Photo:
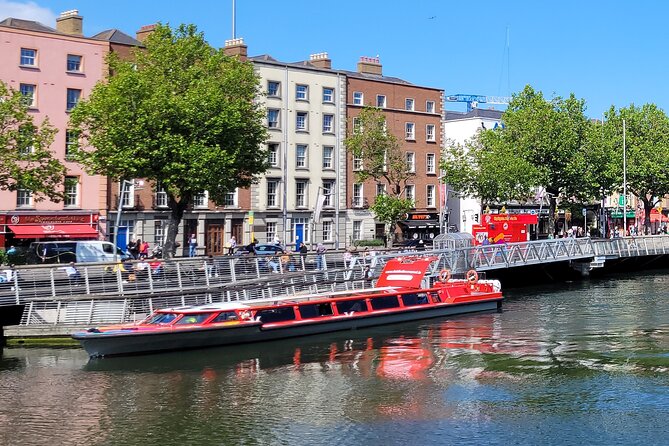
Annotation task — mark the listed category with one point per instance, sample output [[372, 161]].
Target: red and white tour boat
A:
[[397, 297]]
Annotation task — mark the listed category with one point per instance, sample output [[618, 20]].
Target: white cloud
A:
[[27, 11]]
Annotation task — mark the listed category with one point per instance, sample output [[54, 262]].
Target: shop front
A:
[[420, 226], [20, 229]]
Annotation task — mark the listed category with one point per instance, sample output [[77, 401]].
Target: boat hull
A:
[[136, 342]]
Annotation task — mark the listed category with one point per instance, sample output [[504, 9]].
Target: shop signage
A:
[[422, 216], [48, 219]]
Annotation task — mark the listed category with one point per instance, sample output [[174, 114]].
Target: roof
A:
[[379, 78], [29, 25], [475, 113], [117, 36]]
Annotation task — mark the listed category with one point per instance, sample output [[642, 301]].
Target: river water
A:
[[576, 363]]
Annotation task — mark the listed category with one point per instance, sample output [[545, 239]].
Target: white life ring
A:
[[444, 275], [245, 315], [472, 276]]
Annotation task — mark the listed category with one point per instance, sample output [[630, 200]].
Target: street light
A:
[[624, 183], [119, 210]]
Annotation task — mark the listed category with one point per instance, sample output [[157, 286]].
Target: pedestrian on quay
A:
[[144, 250], [320, 256], [192, 245], [73, 274], [232, 244]]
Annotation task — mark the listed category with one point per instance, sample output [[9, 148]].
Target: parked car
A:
[[268, 250], [73, 251]]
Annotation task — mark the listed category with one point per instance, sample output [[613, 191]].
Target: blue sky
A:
[[608, 53]]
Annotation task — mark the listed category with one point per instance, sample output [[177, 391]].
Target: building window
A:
[[25, 140], [431, 198], [328, 192], [273, 154], [302, 93], [24, 198], [328, 123], [230, 199], [71, 143], [201, 200], [161, 196], [270, 231], [28, 93], [380, 101], [28, 57], [357, 195], [408, 104], [301, 156], [74, 63], [429, 106], [328, 95], [272, 193], [410, 192], [380, 189], [358, 98], [429, 132], [73, 96], [301, 121], [411, 161], [273, 89], [357, 230], [430, 164], [128, 198], [328, 152], [300, 193], [357, 126], [71, 192], [273, 118], [357, 163], [327, 231], [159, 227], [410, 131]]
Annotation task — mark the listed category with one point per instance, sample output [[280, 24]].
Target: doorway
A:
[[237, 230], [215, 239]]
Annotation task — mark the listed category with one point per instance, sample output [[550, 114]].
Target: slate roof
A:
[[117, 36], [475, 113], [29, 25]]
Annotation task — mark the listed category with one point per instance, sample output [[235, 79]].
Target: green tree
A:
[[25, 159], [647, 152], [180, 114], [542, 143], [384, 161]]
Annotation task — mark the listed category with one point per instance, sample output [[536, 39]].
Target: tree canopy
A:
[[180, 114], [26, 162], [646, 150], [383, 160]]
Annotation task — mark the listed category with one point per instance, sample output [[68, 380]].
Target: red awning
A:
[[53, 231], [655, 216]]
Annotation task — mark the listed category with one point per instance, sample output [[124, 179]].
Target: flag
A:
[[320, 200]]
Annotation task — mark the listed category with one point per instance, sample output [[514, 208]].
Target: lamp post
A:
[[624, 183], [118, 216]]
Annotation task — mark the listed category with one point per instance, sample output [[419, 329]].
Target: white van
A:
[[72, 251]]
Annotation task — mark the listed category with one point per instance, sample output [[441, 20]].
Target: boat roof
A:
[[217, 306]]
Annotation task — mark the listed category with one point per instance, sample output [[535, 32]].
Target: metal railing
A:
[[106, 293]]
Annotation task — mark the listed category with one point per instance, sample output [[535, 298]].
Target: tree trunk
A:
[[177, 209], [647, 207]]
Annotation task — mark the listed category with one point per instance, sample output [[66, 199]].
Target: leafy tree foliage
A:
[[180, 114], [647, 151], [542, 143], [25, 159], [382, 160]]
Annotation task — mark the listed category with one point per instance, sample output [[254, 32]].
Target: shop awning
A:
[[419, 224], [53, 231]]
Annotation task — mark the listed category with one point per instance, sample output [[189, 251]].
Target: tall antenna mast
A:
[[234, 18]]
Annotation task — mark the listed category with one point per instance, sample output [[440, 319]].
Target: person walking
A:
[[192, 245], [232, 244], [303, 255], [320, 256]]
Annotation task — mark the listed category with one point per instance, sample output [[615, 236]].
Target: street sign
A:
[[621, 200], [585, 212]]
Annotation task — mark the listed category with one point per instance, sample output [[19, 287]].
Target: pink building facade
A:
[[56, 68]]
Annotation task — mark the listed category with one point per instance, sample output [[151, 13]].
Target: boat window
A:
[[381, 303], [161, 318], [276, 314], [414, 299], [226, 316], [347, 306], [315, 310], [195, 318]]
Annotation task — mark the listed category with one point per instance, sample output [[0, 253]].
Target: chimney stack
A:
[[235, 47], [370, 65], [144, 32], [70, 22], [320, 60]]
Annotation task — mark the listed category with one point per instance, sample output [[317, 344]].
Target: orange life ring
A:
[[472, 276], [444, 275]]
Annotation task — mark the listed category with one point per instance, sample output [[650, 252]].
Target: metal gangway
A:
[[104, 293]]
